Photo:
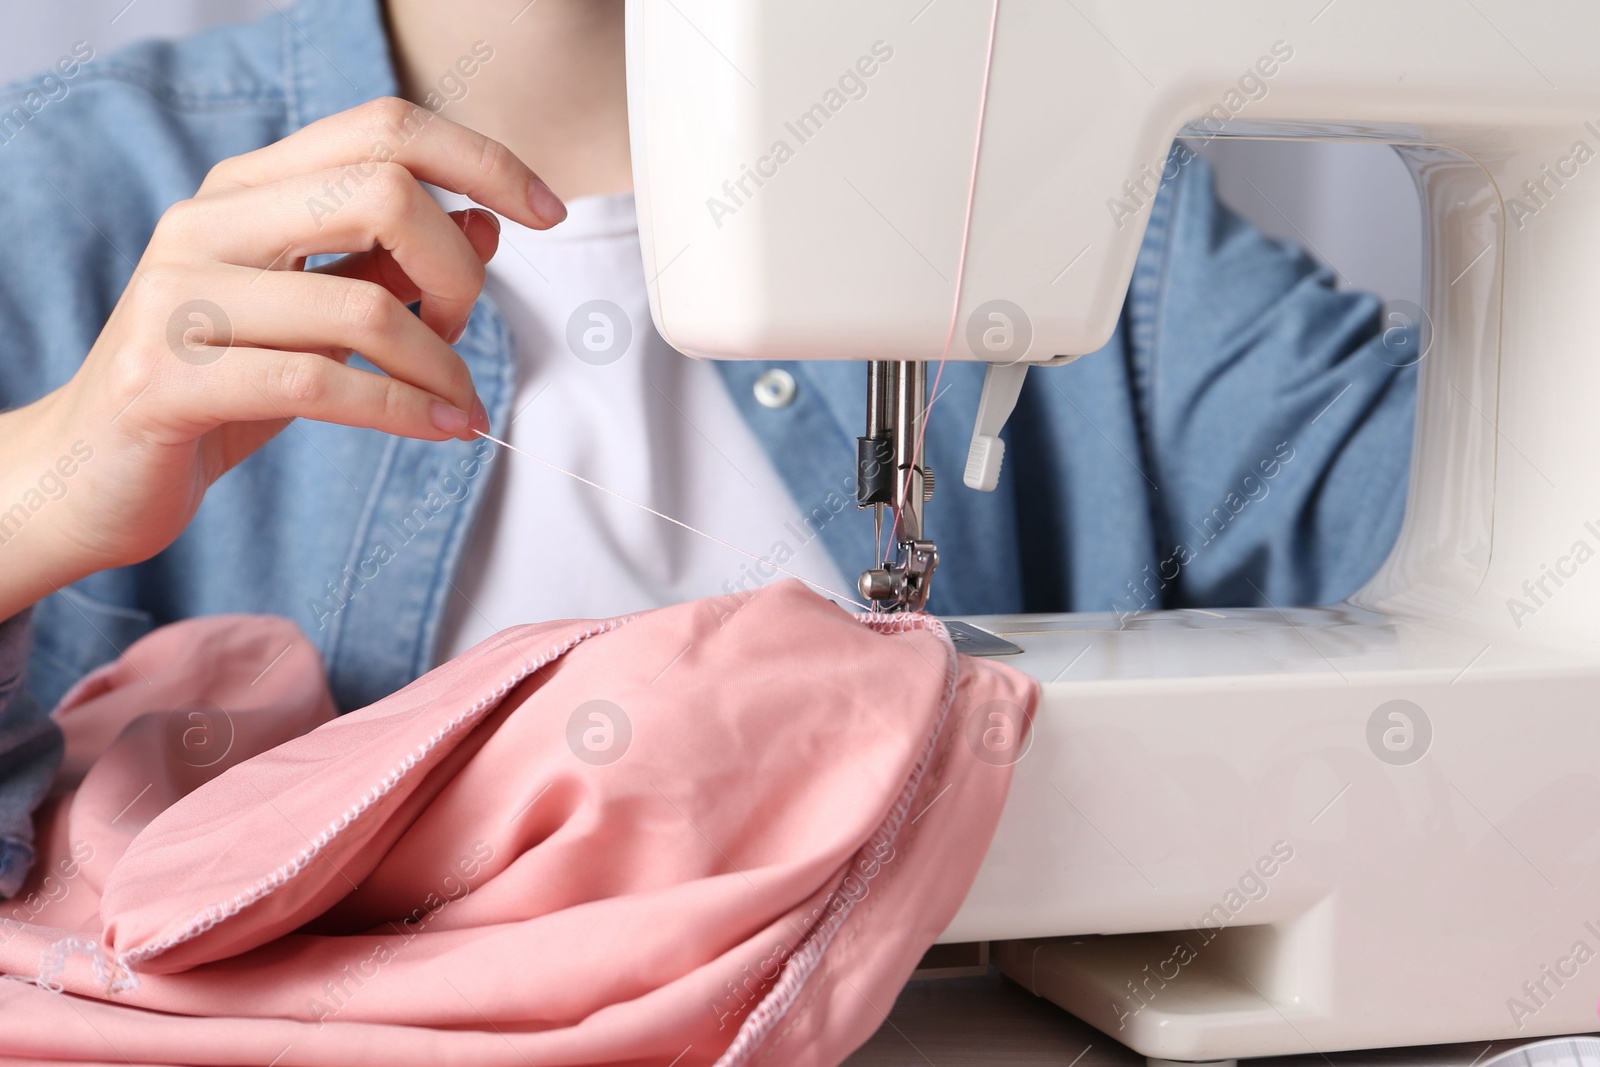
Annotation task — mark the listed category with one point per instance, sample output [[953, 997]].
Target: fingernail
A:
[[464, 220], [460, 332], [546, 205], [448, 418], [480, 417]]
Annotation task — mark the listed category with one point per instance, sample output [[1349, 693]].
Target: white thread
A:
[[676, 522], [53, 963]]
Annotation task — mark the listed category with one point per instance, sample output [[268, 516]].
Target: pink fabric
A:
[[722, 832]]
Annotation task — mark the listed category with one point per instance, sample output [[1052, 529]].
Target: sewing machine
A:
[[1371, 824]]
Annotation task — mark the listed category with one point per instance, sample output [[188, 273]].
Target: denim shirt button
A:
[[775, 389]]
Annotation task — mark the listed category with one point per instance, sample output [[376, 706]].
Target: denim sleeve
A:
[[1277, 412], [30, 750]]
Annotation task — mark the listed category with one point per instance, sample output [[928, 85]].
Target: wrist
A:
[[40, 461]]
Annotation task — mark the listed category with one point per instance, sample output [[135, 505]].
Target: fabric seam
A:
[[799, 967], [773, 1010], [287, 871]]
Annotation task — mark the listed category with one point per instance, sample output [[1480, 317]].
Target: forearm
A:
[[41, 466]]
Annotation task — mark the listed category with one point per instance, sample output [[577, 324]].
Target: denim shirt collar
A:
[[336, 57]]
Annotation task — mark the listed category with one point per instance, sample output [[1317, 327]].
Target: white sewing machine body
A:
[[1411, 898]]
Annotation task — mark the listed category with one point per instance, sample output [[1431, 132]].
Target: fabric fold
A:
[[719, 832]]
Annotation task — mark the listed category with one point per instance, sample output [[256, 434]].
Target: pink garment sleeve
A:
[[717, 833]]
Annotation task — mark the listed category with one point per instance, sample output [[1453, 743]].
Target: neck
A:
[[552, 87]]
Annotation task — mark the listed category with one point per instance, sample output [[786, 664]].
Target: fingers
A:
[[313, 312], [270, 226], [251, 385], [482, 230], [348, 185], [431, 147]]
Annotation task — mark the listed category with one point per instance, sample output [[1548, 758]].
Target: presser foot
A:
[[901, 585]]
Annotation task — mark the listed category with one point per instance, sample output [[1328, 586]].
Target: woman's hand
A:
[[222, 337]]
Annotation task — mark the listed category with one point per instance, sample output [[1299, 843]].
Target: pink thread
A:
[[961, 260], [676, 522]]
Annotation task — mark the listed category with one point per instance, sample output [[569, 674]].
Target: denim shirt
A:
[[1244, 435]]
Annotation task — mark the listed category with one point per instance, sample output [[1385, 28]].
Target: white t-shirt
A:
[[601, 394]]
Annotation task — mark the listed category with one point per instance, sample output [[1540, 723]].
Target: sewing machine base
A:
[[1222, 842]]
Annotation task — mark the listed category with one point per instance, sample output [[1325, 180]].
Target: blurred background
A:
[[1352, 206], [37, 34]]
